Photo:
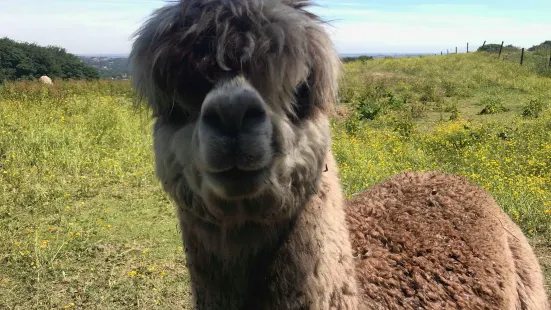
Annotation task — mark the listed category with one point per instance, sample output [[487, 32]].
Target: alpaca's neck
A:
[[306, 263]]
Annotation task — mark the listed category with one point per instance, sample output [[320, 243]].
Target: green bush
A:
[[492, 105], [534, 108]]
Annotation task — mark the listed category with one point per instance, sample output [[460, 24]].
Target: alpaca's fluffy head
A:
[[241, 91]]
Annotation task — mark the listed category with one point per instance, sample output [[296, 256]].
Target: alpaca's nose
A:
[[234, 111], [234, 129]]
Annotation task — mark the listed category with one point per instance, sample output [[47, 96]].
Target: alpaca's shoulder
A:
[[432, 192], [429, 239]]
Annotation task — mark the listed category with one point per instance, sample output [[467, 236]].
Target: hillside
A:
[[25, 61], [537, 58], [86, 224], [108, 67], [543, 46]]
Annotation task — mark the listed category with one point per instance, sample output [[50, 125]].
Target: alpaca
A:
[[240, 92], [449, 245], [45, 80]]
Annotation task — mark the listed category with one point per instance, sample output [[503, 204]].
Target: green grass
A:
[[537, 61], [84, 221], [86, 225]]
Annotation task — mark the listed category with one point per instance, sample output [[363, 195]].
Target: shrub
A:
[[368, 110], [454, 110], [403, 124], [494, 48], [492, 105], [534, 108], [418, 110], [544, 45], [362, 58]]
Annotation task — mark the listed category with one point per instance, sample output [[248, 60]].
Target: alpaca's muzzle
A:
[[235, 134]]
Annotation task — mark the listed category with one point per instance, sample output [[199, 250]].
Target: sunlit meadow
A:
[[85, 223]]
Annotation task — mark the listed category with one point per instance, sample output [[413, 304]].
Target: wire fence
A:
[[537, 58]]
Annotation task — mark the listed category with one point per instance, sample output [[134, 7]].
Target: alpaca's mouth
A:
[[237, 184], [235, 174]]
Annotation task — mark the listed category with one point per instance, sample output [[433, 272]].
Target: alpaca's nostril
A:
[[212, 119], [254, 114]]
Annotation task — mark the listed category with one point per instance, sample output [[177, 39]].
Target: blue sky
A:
[[358, 26]]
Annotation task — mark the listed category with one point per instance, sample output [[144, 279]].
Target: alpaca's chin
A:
[[235, 184]]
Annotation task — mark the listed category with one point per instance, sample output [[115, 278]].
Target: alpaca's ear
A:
[[318, 93], [324, 72], [325, 65]]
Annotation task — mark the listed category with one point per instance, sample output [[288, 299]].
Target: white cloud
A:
[[77, 29], [354, 27], [371, 31]]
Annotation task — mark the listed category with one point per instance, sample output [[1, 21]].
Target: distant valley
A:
[[115, 66]]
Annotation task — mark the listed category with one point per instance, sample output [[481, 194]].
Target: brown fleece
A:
[[436, 241]]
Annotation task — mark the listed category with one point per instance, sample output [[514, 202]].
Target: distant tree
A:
[[360, 58], [26, 61], [494, 48], [490, 48], [544, 45]]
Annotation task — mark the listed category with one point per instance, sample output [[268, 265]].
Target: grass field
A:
[[85, 223]]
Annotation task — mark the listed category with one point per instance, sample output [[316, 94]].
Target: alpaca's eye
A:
[[205, 45], [303, 90], [192, 88], [178, 115], [302, 99]]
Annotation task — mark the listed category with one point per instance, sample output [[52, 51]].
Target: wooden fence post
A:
[[522, 56], [456, 49], [500, 49], [467, 47], [447, 51], [441, 53]]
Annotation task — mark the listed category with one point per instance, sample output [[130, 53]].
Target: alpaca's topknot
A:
[[185, 47]]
